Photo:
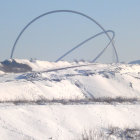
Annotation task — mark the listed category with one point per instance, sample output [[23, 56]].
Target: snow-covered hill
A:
[[135, 62], [48, 100]]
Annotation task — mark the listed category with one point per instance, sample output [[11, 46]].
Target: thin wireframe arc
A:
[[60, 11], [104, 48], [85, 41]]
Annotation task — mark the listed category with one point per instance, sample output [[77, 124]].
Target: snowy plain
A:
[[22, 117]]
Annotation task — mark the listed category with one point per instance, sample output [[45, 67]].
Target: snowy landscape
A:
[[42, 100], [70, 70]]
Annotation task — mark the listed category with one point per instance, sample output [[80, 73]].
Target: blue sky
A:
[[51, 36]]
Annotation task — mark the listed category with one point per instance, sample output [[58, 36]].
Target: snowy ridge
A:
[[64, 80]]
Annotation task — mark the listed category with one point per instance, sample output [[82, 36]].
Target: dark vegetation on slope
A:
[[102, 100], [112, 133], [14, 67]]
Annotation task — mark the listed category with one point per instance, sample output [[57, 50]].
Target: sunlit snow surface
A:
[[66, 81]]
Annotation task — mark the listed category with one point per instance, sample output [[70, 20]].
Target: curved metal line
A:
[[58, 11], [104, 48], [80, 44]]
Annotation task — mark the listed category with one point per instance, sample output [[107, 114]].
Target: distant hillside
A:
[[135, 62]]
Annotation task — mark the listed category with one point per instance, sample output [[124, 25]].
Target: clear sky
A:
[[51, 36]]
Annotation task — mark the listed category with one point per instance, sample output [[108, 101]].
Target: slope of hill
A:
[[135, 62], [60, 100]]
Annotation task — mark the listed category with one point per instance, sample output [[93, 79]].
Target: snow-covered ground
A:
[[45, 102]]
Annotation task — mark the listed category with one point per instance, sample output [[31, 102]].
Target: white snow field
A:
[[59, 101]]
